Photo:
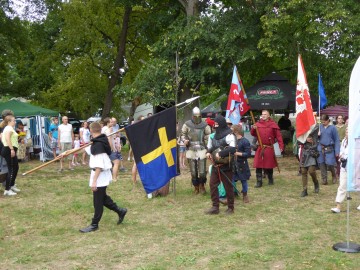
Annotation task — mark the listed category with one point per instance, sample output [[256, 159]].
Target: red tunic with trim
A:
[[269, 133]]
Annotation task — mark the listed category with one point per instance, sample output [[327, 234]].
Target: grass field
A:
[[39, 228]]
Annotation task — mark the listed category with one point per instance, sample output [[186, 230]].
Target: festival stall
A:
[[35, 118], [274, 93], [336, 110]]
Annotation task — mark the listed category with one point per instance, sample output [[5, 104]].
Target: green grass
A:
[[277, 230]]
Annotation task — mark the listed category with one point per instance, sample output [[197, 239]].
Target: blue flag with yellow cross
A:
[[153, 142]]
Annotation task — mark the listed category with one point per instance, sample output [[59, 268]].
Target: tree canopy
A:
[[82, 56]]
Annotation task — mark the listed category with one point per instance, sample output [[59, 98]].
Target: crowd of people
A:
[[216, 142]]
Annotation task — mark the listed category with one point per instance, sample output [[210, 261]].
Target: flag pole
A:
[[253, 118], [352, 155], [65, 154]]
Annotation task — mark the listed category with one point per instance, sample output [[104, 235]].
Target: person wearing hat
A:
[[220, 147]]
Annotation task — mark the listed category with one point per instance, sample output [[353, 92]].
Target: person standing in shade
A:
[[9, 139], [308, 163], [100, 178], [65, 140], [285, 128], [117, 136], [53, 135], [243, 152], [219, 149], [340, 127], [329, 149], [84, 139], [265, 158]]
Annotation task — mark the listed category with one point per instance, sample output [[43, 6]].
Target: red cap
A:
[[210, 122]]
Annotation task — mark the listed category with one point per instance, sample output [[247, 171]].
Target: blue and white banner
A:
[[353, 163]]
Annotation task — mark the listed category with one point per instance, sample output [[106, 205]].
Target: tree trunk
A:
[[119, 63], [184, 91], [186, 113], [134, 104]]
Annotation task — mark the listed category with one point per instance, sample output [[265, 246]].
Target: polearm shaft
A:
[[65, 154], [253, 119], [251, 113]]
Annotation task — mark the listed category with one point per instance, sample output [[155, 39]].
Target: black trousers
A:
[[13, 166], [101, 199]]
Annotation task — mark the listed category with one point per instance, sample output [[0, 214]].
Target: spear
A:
[[66, 153]]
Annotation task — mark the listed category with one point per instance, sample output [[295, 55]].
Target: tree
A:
[[325, 33]]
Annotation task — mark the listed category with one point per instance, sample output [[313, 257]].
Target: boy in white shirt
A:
[[100, 177]]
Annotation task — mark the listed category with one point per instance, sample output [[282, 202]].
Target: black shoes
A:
[[229, 211], [90, 228], [258, 184], [121, 212], [304, 193], [317, 188], [212, 211]]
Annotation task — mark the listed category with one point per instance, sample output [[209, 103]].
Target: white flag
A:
[[353, 162]]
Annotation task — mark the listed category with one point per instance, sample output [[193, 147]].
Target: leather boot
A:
[[258, 179], [316, 187], [258, 182], [202, 189], [213, 211], [271, 179], [121, 212], [229, 211], [334, 179], [196, 190], [90, 228], [324, 182], [223, 201], [245, 197], [304, 193]]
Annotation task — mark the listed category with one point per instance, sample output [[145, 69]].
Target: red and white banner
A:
[[305, 120], [236, 106]]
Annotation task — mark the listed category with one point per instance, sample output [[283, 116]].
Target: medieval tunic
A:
[[306, 160], [269, 133], [242, 166], [225, 141], [329, 145]]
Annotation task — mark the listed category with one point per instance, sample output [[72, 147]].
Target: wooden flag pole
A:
[[65, 154], [251, 113]]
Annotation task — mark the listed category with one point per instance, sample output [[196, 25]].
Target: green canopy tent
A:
[[22, 109]]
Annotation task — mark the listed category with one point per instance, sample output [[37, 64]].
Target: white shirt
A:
[[230, 140], [65, 132], [103, 162], [76, 144], [85, 134]]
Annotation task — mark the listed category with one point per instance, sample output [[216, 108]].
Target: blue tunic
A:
[[243, 170], [329, 145]]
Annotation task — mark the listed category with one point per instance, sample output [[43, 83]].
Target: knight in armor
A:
[[220, 150], [196, 133]]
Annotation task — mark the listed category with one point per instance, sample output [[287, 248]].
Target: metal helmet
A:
[[196, 115]]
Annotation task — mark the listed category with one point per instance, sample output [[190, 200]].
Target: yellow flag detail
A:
[[164, 148]]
